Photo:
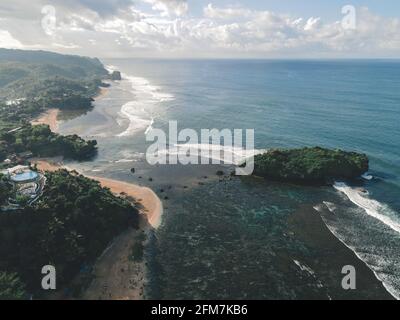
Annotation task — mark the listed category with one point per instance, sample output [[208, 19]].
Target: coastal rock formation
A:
[[116, 76], [310, 165]]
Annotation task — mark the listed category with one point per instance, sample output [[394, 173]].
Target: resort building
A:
[[28, 185]]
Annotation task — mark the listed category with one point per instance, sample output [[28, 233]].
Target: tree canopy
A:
[[69, 227], [11, 287], [42, 142], [310, 165]]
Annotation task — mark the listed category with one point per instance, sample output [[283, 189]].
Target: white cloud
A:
[[169, 7], [7, 41], [167, 29], [225, 13], [312, 23], [65, 46]]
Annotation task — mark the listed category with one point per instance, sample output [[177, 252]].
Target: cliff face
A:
[[310, 165]]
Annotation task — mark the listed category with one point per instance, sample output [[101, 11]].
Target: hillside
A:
[[69, 227], [33, 81]]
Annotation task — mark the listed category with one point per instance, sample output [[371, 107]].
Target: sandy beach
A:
[[49, 118], [101, 94], [115, 275], [151, 204]]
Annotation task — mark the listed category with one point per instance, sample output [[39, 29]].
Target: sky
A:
[[204, 28]]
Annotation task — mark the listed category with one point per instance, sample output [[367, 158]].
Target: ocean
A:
[[232, 237]]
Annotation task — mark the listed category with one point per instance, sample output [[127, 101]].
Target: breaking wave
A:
[[221, 154], [140, 112], [375, 209]]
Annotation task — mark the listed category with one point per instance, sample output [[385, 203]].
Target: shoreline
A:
[[50, 118], [387, 288], [115, 275], [330, 254], [102, 92], [150, 203]]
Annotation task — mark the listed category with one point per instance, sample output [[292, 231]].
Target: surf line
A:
[[138, 111], [372, 207]]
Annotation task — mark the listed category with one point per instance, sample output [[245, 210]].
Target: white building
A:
[[27, 183]]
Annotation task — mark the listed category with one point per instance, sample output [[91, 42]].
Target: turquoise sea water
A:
[[219, 239]]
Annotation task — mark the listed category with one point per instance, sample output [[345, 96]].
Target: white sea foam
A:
[[124, 160], [331, 206], [136, 121], [150, 127], [110, 68], [375, 209], [319, 208], [127, 156], [311, 272], [305, 268], [362, 256], [367, 176], [140, 111], [222, 154]]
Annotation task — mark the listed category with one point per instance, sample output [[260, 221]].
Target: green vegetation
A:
[[69, 227], [22, 200], [22, 73], [42, 142], [5, 190], [75, 218], [310, 165], [33, 81], [11, 287]]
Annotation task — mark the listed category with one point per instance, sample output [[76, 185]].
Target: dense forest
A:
[[23, 72], [33, 81], [5, 189], [75, 218], [42, 142], [68, 228], [310, 165], [11, 287]]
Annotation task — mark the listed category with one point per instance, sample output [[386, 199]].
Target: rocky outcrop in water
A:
[[116, 76], [310, 165]]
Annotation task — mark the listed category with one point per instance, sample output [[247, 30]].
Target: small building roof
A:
[[16, 168]]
